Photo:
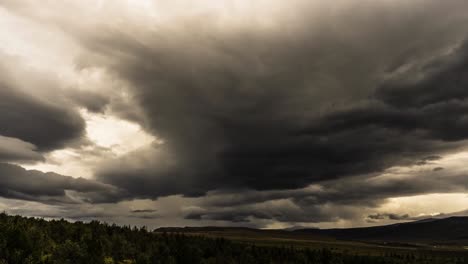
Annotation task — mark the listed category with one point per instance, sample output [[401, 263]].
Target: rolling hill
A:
[[452, 230], [446, 231]]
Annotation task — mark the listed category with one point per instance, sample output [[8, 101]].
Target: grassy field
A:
[[279, 238]]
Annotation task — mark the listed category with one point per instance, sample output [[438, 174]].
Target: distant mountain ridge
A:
[[451, 230]]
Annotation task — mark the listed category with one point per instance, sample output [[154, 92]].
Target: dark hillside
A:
[[29, 240], [452, 230]]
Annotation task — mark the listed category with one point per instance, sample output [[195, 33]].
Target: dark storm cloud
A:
[[258, 113], [284, 109], [253, 218], [341, 199], [13, 149], [18, 183], [27, 118], [31, 115], [235, 216], [283, 210], [439, 81], [373, 190], [92, 101], [144, 211], [428, 160], [389, 216]]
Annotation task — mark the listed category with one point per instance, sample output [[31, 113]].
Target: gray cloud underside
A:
[[250, 117], [331, 201], [38, 119], [286, 108], [13, 149], [45, 126], [376, 217], [18, 183]]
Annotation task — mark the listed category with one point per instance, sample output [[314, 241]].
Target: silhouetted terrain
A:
[[29, 240], [452, 230], [447, 231]]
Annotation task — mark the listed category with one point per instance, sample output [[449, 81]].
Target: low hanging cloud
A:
[[13, 149], [312, 115], [18, 183], [29, 113], [265, 109], [44, 125], [350, 199], [388, 216]]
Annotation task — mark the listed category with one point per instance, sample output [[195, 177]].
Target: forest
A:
[[34, 240]]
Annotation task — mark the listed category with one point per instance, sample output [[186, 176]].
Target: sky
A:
[[265, 114]]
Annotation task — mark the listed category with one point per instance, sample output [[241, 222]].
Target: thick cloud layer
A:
[[18, 183], [32, 111], [44, 125], [333, 200], [12, 149], [290, 106], [314, 113]]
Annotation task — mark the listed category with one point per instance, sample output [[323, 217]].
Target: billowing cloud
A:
[[13, 149], [18, 183], [388, 216], [32, 110], [319, 112], [44, 125], [285, 107]]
